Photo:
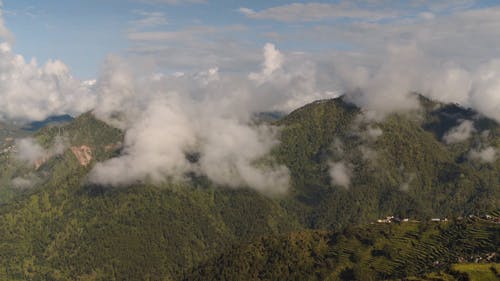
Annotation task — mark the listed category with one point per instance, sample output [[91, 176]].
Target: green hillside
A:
[[66, 229], [421, 251], [406, 171]]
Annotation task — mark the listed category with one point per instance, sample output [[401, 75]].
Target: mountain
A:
[[398, 166], [63, 228]]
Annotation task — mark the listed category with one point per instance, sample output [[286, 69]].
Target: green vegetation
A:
[[66, 229], [479, 272], [407, 171], [375, 252]]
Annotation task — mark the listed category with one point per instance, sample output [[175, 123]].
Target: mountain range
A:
[[347, 170]]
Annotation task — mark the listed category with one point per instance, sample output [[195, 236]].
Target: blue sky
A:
[[292, 52], [83, 33]]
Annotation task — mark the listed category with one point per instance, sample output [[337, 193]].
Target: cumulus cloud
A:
[[488, 154], [485, 89], [460, 133], [379, 56], [155, 146], [29, 92], [32, 92], [388, 88], [340, 174], [273, 60], [168, 118], [207, 113]]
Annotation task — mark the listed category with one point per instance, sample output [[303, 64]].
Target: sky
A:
[[188, 76], [180, 33]]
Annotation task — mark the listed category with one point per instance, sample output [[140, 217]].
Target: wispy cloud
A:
[[173, 2], [364, 11], [149, 20], [304, 12]]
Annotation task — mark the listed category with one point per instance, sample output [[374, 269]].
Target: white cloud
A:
[[370, 11], [168, 117], [273, 61], [149, 19], [154, 147], [488, 154], [388, 88], [32, 92], [485, 95], [29, 150], [373, 132], [173, 2], [340, 174], [460, 133], [25, 182], [303, 12]]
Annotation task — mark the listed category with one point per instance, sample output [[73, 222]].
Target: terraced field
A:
[[426, 251]]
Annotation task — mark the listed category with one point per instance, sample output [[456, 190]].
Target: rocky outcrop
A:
[[83, 154]]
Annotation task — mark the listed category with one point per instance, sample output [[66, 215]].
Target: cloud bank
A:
[[32, 92], [200, 122], [207, 116]]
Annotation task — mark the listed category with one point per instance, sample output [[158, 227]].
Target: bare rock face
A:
[[83, 154]]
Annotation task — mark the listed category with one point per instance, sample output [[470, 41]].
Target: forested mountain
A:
[[346, 170]]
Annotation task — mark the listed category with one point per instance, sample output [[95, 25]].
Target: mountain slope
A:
[[376, 252], [397, 166], [64, 228]]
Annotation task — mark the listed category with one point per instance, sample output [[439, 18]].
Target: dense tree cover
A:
[[69, 230], [419, 251], [407, 170], [65, 229]]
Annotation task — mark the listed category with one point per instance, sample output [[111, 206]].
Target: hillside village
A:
[[485, 218]]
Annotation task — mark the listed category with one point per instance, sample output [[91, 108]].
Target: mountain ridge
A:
[[66, 228]]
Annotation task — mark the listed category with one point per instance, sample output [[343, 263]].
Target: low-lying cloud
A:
[[488, 154], [460, 133], [205, 115], [404, 69], [340, 174], [30, 151]]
